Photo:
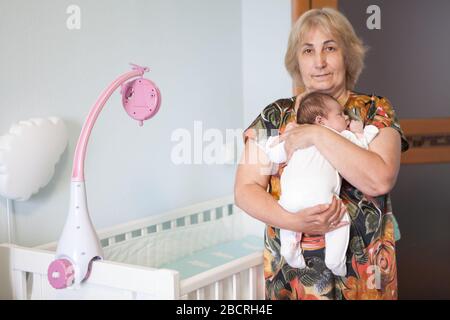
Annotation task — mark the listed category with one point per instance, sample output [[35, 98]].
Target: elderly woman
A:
[[324, 54]]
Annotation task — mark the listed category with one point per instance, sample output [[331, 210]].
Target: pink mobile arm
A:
[[80, 151]]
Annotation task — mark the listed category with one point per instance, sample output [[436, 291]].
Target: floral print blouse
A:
[[371, 258]]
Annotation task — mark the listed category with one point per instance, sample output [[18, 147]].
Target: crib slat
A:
[[218, 290], [214, 214], [133, 295], [236, 286], [200, 294], [252, 283], [20, 285], [38, 286], [225, 210], [261, 294]]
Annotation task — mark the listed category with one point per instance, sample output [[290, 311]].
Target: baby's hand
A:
[[356, 126], [290, 126], [275, 141]]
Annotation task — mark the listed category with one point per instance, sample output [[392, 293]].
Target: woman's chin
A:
[[322, 87]]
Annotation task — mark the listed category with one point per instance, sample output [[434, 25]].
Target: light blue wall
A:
[[194, 49], [265, 31]]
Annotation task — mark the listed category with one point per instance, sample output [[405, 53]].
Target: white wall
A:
[[265, 31], [195, 50]]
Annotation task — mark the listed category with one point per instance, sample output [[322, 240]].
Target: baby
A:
[[309, 179]]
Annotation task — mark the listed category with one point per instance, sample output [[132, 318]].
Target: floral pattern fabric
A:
[[371, 257]]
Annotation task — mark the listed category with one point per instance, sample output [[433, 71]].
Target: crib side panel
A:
[[6, 289], [242, 279], [167, 219], [27, 279], [161, 222]]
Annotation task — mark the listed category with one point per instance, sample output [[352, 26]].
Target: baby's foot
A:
[[338, 269]]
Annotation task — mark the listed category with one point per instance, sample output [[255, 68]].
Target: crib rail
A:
[[194, 214], [26, 278]]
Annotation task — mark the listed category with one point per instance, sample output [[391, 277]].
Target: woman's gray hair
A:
[[338, 26]]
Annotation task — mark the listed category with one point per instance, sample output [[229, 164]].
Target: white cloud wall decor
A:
[[28, 155]]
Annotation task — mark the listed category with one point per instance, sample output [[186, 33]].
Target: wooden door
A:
[[429, 138]]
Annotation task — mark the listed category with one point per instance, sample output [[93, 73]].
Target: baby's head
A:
[[323, 109]]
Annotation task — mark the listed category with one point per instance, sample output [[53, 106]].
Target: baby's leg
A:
[[287, 238], [290, 248], [336, 248]]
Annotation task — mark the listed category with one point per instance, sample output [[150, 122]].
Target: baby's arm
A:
[[358, 135], [276, 154], [357, 127]]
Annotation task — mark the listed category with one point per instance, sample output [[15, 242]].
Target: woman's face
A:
[[321, 63]]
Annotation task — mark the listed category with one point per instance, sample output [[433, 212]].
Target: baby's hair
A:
[[311, 106]]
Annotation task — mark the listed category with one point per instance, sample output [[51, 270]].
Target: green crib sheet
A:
[[215, 256]]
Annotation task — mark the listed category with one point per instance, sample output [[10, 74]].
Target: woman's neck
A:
[[343, 97]]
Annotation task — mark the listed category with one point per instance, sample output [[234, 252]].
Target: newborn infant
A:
[[309, 179]]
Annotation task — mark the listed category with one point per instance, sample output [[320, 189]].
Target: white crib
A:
[[135, 252]]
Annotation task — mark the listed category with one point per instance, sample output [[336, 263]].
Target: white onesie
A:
[[308, 180]]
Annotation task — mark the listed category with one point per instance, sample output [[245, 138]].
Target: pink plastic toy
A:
[[79, 245], [60, 273], [141, 99]]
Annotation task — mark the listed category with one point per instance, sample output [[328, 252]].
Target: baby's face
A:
[[336, 119]]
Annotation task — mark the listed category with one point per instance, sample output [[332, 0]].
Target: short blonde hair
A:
[[336, 24]]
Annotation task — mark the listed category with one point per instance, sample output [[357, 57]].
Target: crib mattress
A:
[[215, 256]]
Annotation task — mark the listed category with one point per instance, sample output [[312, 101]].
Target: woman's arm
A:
[[251, 195], [374, 171]]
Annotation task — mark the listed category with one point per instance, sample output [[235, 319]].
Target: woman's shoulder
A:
[[270, 119], [375, 110], [280, 105], [274, 113], [366, 106], [365, 100]]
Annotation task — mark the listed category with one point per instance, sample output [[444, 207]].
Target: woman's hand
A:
[[320, 219]]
